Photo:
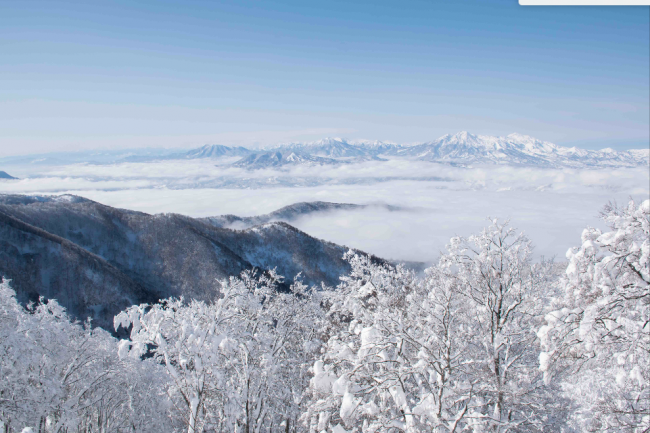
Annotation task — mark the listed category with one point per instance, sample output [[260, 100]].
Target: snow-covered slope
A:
[[322, 152], [339, 148], [641, 156], [279, 158]]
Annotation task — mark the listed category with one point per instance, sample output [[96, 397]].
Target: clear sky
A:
[[100, 74]]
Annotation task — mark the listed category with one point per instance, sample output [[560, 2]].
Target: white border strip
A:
[[584, 2]]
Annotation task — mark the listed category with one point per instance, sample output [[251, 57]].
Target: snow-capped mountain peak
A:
[[517, 149], [461, 138], [328, 141]]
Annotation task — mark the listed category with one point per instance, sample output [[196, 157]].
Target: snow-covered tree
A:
[[58, 375], [282, 341], [395, 363], [454, 351], [597, 341], [238, 363], [191, 341], [504, 294], [16, 352]]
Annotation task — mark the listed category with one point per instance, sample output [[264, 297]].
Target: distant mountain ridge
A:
[[5, 175], [217, 151], [97, 260], [289, 213], [281, 158], [517, 149], [340, 148], [461, 149]]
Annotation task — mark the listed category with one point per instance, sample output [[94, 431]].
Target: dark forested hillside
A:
[[96, 260], [291, 213]]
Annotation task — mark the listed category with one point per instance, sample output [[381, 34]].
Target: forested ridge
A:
[[97, 260], [489, 339]]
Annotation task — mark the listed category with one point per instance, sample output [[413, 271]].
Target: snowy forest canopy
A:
[[488, 340]]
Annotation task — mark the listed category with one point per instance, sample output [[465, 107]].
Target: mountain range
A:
[[340, 148], [97, 260], [279, 158], [517, 149], [462, 149]]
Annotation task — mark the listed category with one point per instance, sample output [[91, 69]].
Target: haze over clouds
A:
[[182, 173]]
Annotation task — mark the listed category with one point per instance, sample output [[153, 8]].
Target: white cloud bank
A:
[[551, 206]]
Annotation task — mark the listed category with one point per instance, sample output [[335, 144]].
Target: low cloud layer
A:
[[183, 174], [551, 206]]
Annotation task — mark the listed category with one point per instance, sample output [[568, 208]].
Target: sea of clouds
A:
[[436, 201]]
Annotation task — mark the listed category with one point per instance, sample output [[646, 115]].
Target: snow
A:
[[322, 379], [339, 429], [348, 405], [544, 357]]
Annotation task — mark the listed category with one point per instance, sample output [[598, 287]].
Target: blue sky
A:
[[85, 75]]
